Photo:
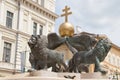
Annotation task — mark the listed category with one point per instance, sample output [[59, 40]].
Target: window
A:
[[117, 62], [34, 28], [113, 60], [35, 0], [50, 28], [42, 3], [41, 30], [9, 19], [7, 52], [109, 59]]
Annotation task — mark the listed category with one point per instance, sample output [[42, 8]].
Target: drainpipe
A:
[[16, 46]]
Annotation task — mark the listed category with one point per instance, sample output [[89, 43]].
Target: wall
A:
[[29, 12]]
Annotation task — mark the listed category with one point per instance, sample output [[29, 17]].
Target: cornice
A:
[[115, 46], [13, 31], [38, 8], [111, 65], [24, 34], [11, 2], [5, 29]]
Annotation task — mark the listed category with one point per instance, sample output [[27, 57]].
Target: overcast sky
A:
[[94, 16]]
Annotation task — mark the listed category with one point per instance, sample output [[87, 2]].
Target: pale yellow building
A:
[[18, 20], [112, 61]]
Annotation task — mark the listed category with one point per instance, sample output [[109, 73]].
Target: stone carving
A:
[[93, 56], [70, 77], [41, 56], [81, 45], [54, 40], [33, 44], [79, 42], [82, 42]]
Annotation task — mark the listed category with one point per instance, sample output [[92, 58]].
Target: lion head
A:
[[32, 41]]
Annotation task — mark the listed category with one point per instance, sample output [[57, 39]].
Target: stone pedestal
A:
[[75, 76], [47, 75], [95, 75], [43, 75]]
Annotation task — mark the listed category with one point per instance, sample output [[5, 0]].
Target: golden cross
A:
[[66, 13]]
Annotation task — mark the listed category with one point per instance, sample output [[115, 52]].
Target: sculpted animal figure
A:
[[80, 42], [34, 49], [94, 56], [38, 43], [41, 56]]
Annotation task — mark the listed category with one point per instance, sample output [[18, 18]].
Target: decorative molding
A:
[[41, 21], [11, 2], [5, 29], [8, 70], [38, 8], [115, 46], [110, 65], [8, 39], [24, 34]]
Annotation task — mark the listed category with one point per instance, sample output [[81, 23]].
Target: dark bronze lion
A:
[[94, 56], [82, 46], [41, 56]]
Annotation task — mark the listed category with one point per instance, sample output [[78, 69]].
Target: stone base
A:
[[46, 75], [95, 75], [75, 76], [43, 75], [35, 78]]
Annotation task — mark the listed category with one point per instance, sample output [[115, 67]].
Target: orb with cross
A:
[[66, 28]]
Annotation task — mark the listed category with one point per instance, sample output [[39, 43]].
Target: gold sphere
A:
[[66, 29]]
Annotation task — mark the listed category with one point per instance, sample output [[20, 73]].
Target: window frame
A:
[[42, 3], [41, 30], [9, 19], [35, 28], [7, 52]]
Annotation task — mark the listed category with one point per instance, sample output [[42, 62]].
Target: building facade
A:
[[112, 61], [19, 19]]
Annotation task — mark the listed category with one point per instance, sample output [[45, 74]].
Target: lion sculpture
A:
[[94, 56], [82, 46], [41, 56]]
